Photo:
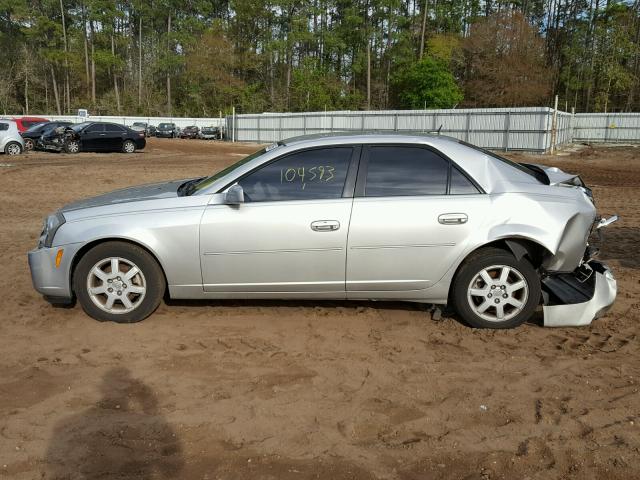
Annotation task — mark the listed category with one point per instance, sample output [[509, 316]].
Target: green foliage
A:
[[427, 83], [296, 55]]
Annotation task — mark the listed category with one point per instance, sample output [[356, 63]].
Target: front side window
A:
[[405, 171], [306, 175], [95, 128]]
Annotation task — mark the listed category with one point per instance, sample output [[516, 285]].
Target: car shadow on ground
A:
[[426, 309], [122, 436]]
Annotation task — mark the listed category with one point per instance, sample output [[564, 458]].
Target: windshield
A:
[[139, 124], [205, 182], [36, 127], [165, 125], [79, 126]]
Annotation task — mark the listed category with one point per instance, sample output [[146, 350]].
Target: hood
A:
[[154, 191]]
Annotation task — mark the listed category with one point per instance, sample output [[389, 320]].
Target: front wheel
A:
[[13, 148], [128, 146], [118, 282], [28, 144], [493, 289], [72, 146]]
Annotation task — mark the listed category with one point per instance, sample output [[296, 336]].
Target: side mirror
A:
[[234, 195]]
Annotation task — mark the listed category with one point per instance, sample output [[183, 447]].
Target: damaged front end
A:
[[579, 297], [57, 140]]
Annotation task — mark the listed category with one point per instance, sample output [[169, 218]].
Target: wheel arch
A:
[[94, 243]]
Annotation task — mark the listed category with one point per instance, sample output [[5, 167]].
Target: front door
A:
[[92, 137], [290, 234], [411, 219]]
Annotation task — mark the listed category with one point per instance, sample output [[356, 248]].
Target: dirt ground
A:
[[296, 390]]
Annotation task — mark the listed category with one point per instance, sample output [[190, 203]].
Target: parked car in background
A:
[[11, 142], [151, 130], [93, 137], [190, 132], [211, 133], [33, 134], [411, 217], [140, 127], [167, 130], [24, 123]]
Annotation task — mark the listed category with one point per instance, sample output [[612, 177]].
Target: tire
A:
[[72, 146], [130, 299], [128, 146], [29, 144], [13, 148], [483, 298]]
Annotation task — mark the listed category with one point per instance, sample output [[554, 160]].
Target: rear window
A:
[[110, 127], [4, 127]]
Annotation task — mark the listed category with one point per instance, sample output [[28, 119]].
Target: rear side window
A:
[[4, 127], [405, 171], [114, 128], [460, 184]]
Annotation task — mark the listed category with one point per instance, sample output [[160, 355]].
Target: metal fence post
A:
[[279, 127], [258, 129], [467, 127], [507, 129], [304, 124], [395, 122]]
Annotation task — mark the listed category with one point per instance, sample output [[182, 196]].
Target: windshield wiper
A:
[[188, 187]]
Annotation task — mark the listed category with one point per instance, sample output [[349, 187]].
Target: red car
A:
[[25, 122]]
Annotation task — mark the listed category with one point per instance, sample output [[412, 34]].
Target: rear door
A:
[[412, 214], [114, 137]]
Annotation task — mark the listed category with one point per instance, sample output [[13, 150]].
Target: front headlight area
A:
[[51, 225]]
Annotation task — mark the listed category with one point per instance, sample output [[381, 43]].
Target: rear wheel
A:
[[118, 282], [13, 148], [128, 146], [28, 144], [495, 290]]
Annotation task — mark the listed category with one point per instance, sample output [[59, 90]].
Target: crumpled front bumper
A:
[[574, 299]]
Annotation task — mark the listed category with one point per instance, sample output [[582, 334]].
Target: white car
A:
[[411, 217], [11, 142]]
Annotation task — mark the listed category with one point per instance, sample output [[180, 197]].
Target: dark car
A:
[[151, 130], [93, 137], [167, 130], [33, 133], [190, 132], [211, 133]]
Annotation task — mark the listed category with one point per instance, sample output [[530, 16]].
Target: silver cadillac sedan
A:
[[406, 217]]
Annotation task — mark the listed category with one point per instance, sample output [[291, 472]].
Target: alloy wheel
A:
[[116, 285], [498, 293]]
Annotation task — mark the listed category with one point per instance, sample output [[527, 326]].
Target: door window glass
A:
[[114, 128], [461, 185], [405, 171], [306, 175], [4, 127], [95, 128]]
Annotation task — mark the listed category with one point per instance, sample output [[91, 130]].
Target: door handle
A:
[[325, 225], [453, 218]]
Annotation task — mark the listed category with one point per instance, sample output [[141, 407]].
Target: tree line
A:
[[202, 57]]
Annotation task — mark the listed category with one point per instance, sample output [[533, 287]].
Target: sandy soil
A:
[[240, 390]]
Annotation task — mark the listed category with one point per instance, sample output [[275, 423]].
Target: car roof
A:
[[370, 136]]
